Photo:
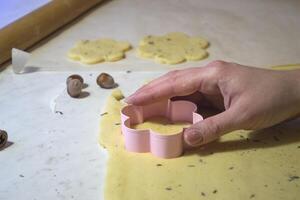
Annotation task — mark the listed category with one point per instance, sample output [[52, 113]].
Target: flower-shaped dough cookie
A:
[[173, 48], [90, 52]]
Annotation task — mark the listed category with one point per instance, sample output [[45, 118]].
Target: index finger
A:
[[174, 83]]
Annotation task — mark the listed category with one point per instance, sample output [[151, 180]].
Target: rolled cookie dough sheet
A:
[[241, 165]]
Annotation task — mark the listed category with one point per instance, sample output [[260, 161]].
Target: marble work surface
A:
[[53, 152]]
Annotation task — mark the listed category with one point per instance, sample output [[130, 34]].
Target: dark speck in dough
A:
[[275, 138], [105, 113], [292, 178]]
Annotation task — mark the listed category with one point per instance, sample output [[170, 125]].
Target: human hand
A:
[[249, 98]]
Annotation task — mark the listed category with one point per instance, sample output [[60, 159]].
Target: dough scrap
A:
[[173, 48], [91, 52], [241, 165], [286, 67]]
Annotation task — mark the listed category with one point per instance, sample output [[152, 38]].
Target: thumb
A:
[[210, 128]]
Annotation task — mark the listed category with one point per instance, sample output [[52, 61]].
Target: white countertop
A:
[[56, 156]]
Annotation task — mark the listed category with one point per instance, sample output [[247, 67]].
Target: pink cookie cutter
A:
[[165, 146]]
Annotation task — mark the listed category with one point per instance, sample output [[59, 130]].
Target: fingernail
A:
[[193, 137], [129, 99]]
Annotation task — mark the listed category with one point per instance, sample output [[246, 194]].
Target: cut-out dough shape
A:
[[173, 48], [90, 52]]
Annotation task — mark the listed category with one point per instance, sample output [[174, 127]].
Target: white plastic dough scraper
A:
[[22, 63]]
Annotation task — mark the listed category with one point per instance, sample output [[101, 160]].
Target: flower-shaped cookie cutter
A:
[[165, 146]]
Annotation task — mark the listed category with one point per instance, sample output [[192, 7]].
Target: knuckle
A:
[[218, 67], [210, 129], [173, 76], [214, 128]]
